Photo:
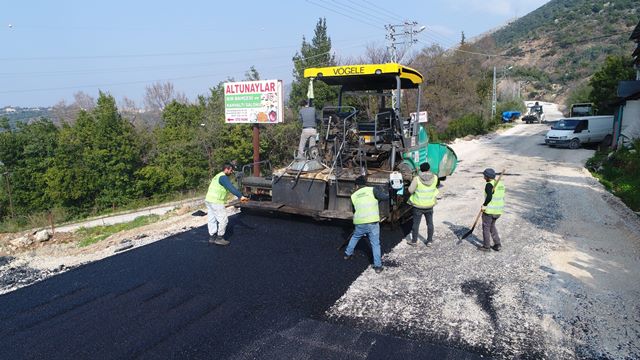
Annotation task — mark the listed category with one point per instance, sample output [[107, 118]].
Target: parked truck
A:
[[582, 109], [365, 133]]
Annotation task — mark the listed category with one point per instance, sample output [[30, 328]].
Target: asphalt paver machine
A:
[[366, 133]]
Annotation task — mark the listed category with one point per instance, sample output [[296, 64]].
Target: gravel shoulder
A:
[[564, 286]]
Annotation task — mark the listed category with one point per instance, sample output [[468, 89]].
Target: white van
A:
[[573, 132]]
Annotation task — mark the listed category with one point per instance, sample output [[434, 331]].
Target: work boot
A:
[[411, 242], [497, 247], [220, 241], [428, 243], [348, 257], [378, 269], [212, 238], [484, 248]]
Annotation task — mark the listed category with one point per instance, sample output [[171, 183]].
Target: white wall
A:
[[631, 119]]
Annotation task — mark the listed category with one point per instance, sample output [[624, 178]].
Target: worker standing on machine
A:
[[309, 132]]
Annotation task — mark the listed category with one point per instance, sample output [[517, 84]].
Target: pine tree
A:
[[314, 54]]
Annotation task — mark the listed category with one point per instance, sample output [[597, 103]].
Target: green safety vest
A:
[[425, 196], [496, 205], [366, 206], [217, 194]]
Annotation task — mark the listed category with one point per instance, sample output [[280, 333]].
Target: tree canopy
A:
[[604, 82], [317, 53]]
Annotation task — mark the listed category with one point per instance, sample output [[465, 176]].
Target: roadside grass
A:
[[618, 172], [475, 124], [96, 234], [61, 216]]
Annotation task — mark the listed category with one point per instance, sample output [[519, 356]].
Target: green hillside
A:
[[562, 43]]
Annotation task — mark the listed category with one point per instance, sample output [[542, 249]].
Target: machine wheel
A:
[[574, 144], [405, 170]]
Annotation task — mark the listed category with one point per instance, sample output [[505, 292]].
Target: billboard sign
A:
[[249, 102]]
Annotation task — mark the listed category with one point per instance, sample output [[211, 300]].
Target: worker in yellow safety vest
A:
[[492, 208], [366, 219], [215, 201], [423, 190]]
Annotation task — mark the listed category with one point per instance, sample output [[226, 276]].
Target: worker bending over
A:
[[215, 200]]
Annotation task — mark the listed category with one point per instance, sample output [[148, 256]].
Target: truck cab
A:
[[582, 109]]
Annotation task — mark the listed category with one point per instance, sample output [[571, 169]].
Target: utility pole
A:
[[405, 37], [493, 97]]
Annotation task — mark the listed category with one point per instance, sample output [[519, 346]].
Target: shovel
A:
[[480, 212]]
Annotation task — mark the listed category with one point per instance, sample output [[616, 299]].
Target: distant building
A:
[[9, 110]]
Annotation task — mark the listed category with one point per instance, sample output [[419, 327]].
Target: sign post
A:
[[254, 102]]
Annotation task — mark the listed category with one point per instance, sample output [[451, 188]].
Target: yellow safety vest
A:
[[217, 194], [496, 205], [366, 206], [424, 196]]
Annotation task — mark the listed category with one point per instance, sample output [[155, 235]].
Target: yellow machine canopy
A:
[[367, 76]]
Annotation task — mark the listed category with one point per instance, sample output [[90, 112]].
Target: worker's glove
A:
[[244, 199]]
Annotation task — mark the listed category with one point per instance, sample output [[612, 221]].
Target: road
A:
[[563, 287], [263, 297]]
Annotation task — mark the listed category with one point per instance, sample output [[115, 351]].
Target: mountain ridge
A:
[[558, 46]]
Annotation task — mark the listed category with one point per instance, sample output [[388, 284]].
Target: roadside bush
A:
[[469, 124], [434, 136], [618, 173]]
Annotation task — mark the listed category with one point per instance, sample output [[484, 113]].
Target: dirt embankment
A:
[[25, 260]]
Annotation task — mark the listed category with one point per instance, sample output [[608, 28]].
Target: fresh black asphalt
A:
[[262, 297]]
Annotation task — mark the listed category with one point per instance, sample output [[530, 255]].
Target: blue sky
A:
[[51, 49]]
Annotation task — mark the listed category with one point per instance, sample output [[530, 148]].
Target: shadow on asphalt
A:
[[263, 297], [460, 230]]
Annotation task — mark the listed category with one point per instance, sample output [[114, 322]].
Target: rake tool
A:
[[480, 212]]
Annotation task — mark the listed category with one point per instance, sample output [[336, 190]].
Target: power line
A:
[[474, 52], [143, 68], [142, 55], [380, 10], [445, 40], [150, 55], [346, 15], [157, 80], [356, 10]]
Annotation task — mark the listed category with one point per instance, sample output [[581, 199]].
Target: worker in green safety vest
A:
[[423, 190], [492, 208], [215, 201], [366, 219]]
